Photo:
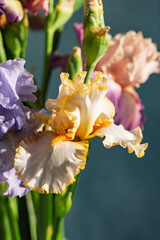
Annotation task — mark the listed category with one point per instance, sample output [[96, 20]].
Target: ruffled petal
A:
[[81, 103], [130, 58], [48, 163], [20, 81], [117, 135], [15, 185], [8, 146], [16, 85]]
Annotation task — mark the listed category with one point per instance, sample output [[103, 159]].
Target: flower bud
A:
[[15, 37], [13, 10], [93, 14], [63, 203], [75, 64], [95, 44], [61, 14]]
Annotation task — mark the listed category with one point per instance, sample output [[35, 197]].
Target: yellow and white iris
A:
[[49, 161]]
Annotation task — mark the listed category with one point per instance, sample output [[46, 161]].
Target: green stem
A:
[[32, 216], [3, 57], [13, 221], [47, 63], [57, 37], [45, 217], [4, 224], [24, 219], [49, 36], [89, 69], [58, 231]]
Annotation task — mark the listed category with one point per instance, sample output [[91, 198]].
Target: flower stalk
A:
[[3, 57]]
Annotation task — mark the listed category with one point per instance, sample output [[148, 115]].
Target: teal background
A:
[[118, 197]]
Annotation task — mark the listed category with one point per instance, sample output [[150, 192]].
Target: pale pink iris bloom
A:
[[128, 62]]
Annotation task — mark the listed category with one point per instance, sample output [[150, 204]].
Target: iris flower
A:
[[16, 87], [48, 161], [128, 62]]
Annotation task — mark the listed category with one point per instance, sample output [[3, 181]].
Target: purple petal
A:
[[114, 91], [79, 31], [15, 185], [59, 61], [16, 85], [8, 146], [19, 79], [130, 110]]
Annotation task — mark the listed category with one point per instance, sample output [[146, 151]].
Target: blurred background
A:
[[118, 197]]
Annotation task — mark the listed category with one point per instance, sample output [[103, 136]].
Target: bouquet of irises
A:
[[45, 143]]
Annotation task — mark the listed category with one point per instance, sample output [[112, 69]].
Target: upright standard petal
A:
[[130, 58], [82, 103], [19, 79], [48, 163], [16, 85]]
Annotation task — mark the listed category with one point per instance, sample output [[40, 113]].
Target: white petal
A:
[[48, 163], [117, 135]]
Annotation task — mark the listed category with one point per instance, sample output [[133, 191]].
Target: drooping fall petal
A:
[[48, 163], [117, 135]]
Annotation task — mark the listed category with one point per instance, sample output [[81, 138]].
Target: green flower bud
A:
[[15, 38], [75, 64], [78, 4], [95, 44], [63, 203], [12, 41], [93, 14], [61, 14]]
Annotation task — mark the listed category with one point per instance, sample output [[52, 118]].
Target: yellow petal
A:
[[48, 163], [117, 135]]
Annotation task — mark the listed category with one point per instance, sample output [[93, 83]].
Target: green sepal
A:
[[75, 64], [94, 18], [93, 14], [95, 44]]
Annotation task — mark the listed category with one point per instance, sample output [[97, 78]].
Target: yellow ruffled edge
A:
[[61, 138], [127, 143]]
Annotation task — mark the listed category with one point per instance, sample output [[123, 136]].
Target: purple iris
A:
[[16, 86]]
